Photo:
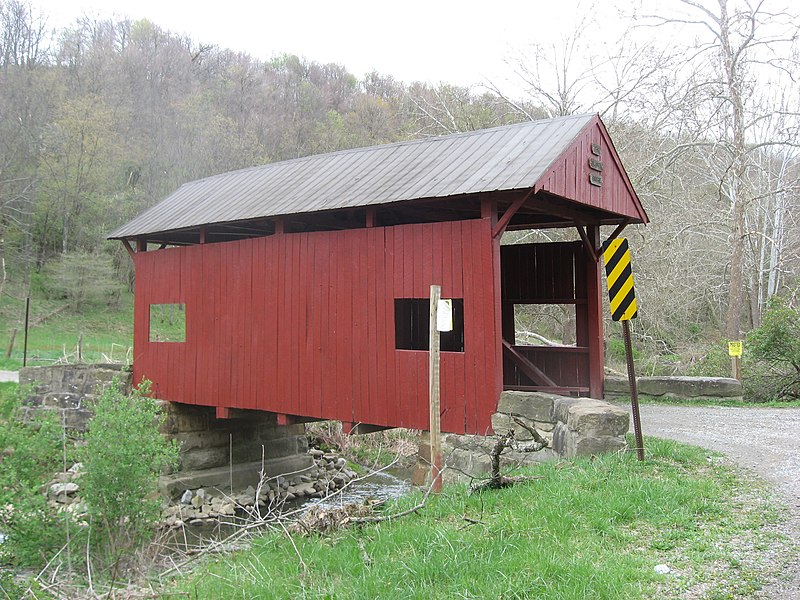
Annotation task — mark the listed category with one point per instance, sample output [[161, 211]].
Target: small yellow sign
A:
[[735, 348]]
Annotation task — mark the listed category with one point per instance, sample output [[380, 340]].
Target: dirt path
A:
[[761, 439], [9, 376]]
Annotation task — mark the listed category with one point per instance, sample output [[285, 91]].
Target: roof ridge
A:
[[397, 144]]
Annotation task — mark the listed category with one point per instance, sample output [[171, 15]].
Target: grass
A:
[[105, 332], [586, 529]]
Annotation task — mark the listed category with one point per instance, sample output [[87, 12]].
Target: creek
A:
[[376, 487]]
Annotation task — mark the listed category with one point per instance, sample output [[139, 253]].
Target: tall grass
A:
[[586, 529]]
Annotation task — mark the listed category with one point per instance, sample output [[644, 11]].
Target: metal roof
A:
[[503, 158]]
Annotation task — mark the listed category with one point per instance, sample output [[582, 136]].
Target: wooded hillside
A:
[[103, 119]]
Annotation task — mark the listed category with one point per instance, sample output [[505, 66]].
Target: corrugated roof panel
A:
[[502, 158]]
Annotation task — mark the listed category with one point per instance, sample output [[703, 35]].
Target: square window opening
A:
[[412, 322], [167, 322]]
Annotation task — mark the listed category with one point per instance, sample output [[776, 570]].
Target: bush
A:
[[711, 361], [123, 457], [31, 452], [774, 350]]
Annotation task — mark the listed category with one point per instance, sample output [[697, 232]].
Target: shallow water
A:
[[379, 486], [382, 485]]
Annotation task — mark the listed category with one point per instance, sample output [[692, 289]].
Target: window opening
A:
[[167, 322], [412, 322]]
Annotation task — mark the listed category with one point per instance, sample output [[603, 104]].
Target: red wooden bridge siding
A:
[[303, 324], [568, 176]]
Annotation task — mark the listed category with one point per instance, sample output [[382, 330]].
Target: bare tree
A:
[[744, 57]]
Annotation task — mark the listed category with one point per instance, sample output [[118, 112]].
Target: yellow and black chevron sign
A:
[[617, 258]]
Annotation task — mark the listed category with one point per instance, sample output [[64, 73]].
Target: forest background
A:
[[101, 119]]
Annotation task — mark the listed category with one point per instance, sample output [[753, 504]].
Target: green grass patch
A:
[[586, 529]]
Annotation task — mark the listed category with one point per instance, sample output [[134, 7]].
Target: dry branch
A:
[[498, 480]]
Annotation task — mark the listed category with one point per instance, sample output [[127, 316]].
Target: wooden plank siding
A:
[[568, 176], [303, 324]]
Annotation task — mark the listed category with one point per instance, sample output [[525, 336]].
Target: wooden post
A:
[[594, 316], [735, 352], [736, 367], [433, 393], [11, 343], [27, 324]]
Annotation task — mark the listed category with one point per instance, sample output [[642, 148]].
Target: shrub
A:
[[711, 361], [30, 452], [123, 456], [774, 350]]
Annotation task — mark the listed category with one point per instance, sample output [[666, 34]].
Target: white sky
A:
[[455, 41]]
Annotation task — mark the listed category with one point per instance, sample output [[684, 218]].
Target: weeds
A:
[[123, 457], [592, 528]]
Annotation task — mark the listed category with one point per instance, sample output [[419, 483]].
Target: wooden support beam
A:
[[141, 245], [527, 367], [284, 419], [553, 390], [350, 428], [279, 226], [223, 412], [370, 216], [203, 235], [590, 250], [617, 231], [510, 212], [128, 247], [547, 205], [594, 315]]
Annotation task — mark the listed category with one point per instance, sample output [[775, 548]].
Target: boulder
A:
[[690, 387], [536, 406], [590, 417]]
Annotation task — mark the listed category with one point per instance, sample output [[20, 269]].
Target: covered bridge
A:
[[304, 283]]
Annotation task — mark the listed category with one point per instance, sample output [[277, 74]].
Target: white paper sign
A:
[[444, 315]]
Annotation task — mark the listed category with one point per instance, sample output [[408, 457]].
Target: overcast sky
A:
[[455, 41]]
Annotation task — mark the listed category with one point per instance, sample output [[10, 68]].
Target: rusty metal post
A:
[[637, 423]]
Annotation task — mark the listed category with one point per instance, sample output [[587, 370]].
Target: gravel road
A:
[[760, 439]]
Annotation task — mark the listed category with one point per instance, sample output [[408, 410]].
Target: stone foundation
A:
[[214, 452], [718, 388], [70, 390], [572, 426]]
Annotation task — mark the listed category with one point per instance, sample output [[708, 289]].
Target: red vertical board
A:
[[303, 324]]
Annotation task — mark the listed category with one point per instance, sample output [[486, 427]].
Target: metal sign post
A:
[[617, 258]]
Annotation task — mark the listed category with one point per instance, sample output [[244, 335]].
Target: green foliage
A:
[[84, 279], [711, 361], [774, 349], [12, 589], [123, 456], [616, 350], [31, 452], [583, 529]]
